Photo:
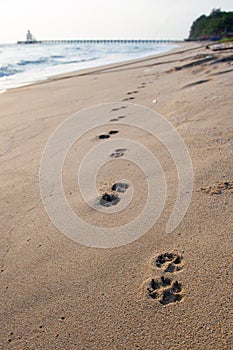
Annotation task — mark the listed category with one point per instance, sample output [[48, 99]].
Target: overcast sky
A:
[[107, 19]]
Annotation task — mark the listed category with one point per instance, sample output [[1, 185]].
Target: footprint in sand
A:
[[112, 198], [128, 99], [106, 136], [143, 85], [103, 136], [117, 109], [108, 200], [165, 289], [119, 152], [132, 92], [120, 187], [117, 119], [218, 188], [113, 132], [169, 262]]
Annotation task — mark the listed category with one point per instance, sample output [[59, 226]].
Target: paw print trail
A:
[[165, 289]]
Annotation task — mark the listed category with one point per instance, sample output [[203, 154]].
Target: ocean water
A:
[[24, 64]]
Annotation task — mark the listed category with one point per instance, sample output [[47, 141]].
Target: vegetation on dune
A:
[[217, 25]]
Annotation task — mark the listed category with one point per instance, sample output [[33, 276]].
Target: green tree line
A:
[[218, 24]]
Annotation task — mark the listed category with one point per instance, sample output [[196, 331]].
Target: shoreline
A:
[[105, 67], [46, 78], [162, 291]]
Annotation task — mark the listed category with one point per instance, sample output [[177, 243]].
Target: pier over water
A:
[[49, 42]]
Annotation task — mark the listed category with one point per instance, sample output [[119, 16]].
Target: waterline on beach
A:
[[21, 65]]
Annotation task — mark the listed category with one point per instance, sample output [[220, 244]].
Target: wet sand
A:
[[162, 291]]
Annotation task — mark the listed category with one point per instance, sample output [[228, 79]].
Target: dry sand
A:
[[58, 294]]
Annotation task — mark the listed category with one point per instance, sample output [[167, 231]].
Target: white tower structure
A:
[[29, 36]]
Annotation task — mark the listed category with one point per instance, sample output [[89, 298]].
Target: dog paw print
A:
[[169, 262], [114, 195], [132, 92], [120, 187], [118, 109], [107, 200], [128, 98], [142, 86], [165, 290], [117, 119], [106, 136], [118, 153]]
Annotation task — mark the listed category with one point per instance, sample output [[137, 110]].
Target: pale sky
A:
[[106, 19]]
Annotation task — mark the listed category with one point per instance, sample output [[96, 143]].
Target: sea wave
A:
[[37, 61], [83, 60], [23, 64], [7, 71], [58, 56]]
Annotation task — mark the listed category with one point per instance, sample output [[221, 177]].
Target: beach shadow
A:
[[199, 82], [224, 59], [222, 72], [196, 63]]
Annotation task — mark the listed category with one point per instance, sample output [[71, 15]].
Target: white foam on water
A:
[[25, 64]]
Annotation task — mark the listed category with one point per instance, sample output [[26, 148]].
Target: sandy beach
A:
[[162, 291]]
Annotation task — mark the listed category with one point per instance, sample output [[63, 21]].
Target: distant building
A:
[[29, 37]]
